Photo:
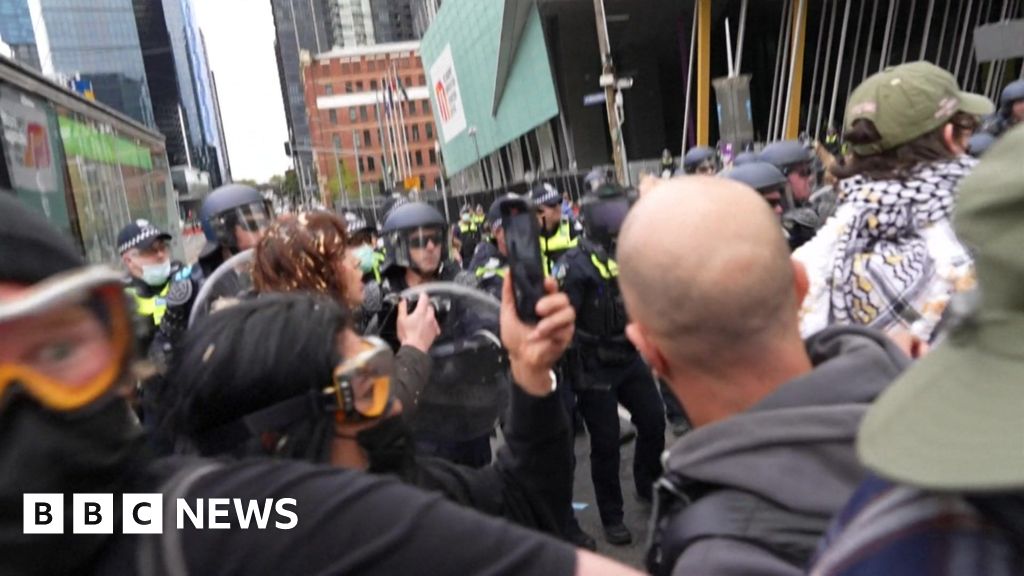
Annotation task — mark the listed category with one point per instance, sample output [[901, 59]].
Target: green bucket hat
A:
[[908, 101], [955, 420]]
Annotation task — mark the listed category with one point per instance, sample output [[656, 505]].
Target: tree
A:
[[347, 180], [248, 182]]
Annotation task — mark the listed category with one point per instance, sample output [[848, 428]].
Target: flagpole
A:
[[382, 133], [401, 115], [389, 111]]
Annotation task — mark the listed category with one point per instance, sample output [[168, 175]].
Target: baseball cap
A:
[[953, 420], [139, 234], [908, 101]]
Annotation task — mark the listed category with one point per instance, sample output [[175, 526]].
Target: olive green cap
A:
[[908, 101]]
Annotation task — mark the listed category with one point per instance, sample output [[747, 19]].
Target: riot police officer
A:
[[810, 206], [490, 263], [611, 370], [1011, 109], [466, 235], [557, 234], [774, 188], [701, 160], [162, 290], [234, 217]]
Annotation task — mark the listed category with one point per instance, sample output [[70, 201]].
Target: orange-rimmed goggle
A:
[[64, 341], [362, 384]]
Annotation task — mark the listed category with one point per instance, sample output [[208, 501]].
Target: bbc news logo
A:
[[144, 514]]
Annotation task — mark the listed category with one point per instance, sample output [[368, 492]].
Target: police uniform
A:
[[554, 244], [490, 267], [468, 233], [611, 372]]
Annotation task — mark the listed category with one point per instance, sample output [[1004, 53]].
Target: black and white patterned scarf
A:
[[882, 267]]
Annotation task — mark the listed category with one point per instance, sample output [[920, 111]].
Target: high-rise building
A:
[[180, 85], [299, 25], [94, 43], [393, 21], [16, 31], [423, 14], [351, 23]]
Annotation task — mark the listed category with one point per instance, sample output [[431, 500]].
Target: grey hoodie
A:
[[795, 448]]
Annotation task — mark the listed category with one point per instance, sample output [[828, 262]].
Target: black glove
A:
[[179, 300]]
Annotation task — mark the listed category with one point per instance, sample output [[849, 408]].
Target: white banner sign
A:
[[445, 85]]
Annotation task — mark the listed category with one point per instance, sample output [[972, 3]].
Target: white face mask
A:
[[156, 274]]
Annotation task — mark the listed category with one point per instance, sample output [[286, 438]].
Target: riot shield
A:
[[470, 383], [225, 285]]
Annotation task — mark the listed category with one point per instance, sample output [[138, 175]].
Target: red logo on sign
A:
[[442, 102], [37, 150]]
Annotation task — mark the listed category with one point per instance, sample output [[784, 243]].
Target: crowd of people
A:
[[833, 341]]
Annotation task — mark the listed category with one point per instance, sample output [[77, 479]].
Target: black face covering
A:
[[88, 451], [388, 446]]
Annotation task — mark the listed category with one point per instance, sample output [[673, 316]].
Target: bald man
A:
[[714, 313]]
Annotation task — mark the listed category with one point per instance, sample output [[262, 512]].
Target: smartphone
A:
[[522, 238]]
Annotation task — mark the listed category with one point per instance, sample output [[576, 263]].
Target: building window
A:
[[362, 167], [415, 133], [348, 87], [329, 89], [355, 67], [419, 158], [371, 66], [345, 69], [433, 157], [408, 81], [336, 139], [370, 164], [352, 114], [366, 138], [359, 86], [426, 106], [423, 80], [430, 130], [373, 84], [333, 115], [362, 114]]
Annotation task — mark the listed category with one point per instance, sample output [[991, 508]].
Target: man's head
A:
[[549, 206], [604, 211], [234, 216], [65, 346], [769, 182], [145, 252], [701, 160], [416, 234], [714, 310], [1011, 100], [496, 225], [793, 159]]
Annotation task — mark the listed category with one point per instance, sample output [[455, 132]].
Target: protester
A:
[[770, 460], [888, 259], [65, 427], [944, 440], [309, 253]]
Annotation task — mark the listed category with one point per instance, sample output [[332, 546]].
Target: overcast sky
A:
[[240, 43]]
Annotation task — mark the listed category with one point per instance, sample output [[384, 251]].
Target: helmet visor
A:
[[65, 341]]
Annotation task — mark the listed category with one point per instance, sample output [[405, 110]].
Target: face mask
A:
[[365, 255], [156, 274], [89, 451], [388, 446]]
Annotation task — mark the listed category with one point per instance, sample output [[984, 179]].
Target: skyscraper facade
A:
[[16, 31], [352, 24], [393, 20]]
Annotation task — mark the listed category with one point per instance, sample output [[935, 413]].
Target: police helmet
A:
[[356, 224], [231, 206], [746, 158], [786, 154], [698, 157], [603, 212], [494, 211], [764, 178], [405, 221], [979, 143], [1013, 92]]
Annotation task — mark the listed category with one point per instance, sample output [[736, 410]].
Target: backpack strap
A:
[[708, 512], [162, 555]]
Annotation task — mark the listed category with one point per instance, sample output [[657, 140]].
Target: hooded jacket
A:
[[787, 464]]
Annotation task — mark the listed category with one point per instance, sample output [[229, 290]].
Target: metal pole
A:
[[817, 60], [885, 36], [828, 62], [797, 38], [963, 37], [359, 170], [740, 36], [444, 192], [974, 71], [910, 22], [341, 186], [927, 29], [839, 63], [871, 40], [728, 50], [689, 86], [856, 49], [608, 73], [942, 33], [783, 55]]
